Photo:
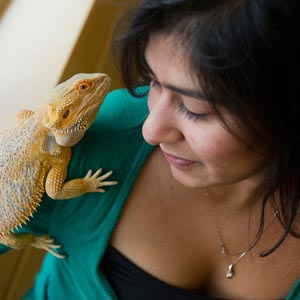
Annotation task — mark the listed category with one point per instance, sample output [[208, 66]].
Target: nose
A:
[[161, 125]]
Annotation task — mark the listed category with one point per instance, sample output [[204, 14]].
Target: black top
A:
[[130, 282]]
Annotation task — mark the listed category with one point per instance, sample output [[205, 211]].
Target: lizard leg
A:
[[23, 240], [23, 115], [56, 188]]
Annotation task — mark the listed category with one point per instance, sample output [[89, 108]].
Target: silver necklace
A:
[[230, 269]]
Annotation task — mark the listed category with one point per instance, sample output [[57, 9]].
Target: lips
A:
[[177, 162]]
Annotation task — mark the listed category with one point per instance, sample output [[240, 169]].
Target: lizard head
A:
[[73, 106]]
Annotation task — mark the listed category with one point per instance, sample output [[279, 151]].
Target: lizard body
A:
[[35, 154]]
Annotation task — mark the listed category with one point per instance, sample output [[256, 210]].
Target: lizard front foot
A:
[[46, 243], [96, 182]]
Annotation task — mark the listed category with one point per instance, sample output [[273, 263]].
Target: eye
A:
[[83, 86], [66, 114], [191, 115]]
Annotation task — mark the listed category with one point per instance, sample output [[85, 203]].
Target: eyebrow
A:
[[186, 92]]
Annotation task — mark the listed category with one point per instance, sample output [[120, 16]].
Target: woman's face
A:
[[200, 151]]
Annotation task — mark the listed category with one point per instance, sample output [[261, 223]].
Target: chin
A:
[[187, 179], [69, 140]]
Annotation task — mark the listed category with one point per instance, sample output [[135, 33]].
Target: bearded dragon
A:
[[34, 156]]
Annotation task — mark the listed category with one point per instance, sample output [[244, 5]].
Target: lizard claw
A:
[[96, 181], [46, 243]]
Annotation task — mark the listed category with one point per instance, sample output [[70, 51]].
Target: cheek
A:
[[214, 144]]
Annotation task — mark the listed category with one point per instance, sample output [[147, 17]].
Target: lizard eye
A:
[[66, 114], [83, 86]]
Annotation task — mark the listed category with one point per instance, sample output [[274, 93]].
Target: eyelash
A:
[[190, 115]]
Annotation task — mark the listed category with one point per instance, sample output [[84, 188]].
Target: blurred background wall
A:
[[42, 43]]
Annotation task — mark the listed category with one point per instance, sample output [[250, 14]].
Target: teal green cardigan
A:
[[84, 225]]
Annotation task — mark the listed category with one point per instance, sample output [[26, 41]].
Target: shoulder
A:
[[121, 111]]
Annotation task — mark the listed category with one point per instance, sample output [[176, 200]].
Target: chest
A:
[[168, 232]]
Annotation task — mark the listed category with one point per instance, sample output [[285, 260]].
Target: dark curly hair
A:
[[246, 55]]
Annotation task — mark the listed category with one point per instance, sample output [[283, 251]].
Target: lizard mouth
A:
[[80, 125]]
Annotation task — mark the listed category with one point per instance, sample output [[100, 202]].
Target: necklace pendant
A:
[[229, 273], [223, 251]]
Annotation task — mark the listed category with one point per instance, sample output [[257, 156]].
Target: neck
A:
[[237, 196]]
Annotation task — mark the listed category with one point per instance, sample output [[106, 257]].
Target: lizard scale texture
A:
[[21, 177]]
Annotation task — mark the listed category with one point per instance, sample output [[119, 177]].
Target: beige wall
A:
[[37, 38], [41, 45]]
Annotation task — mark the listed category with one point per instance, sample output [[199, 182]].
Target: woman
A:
[[212, 210]]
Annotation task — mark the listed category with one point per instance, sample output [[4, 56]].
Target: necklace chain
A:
[[224, 252]]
